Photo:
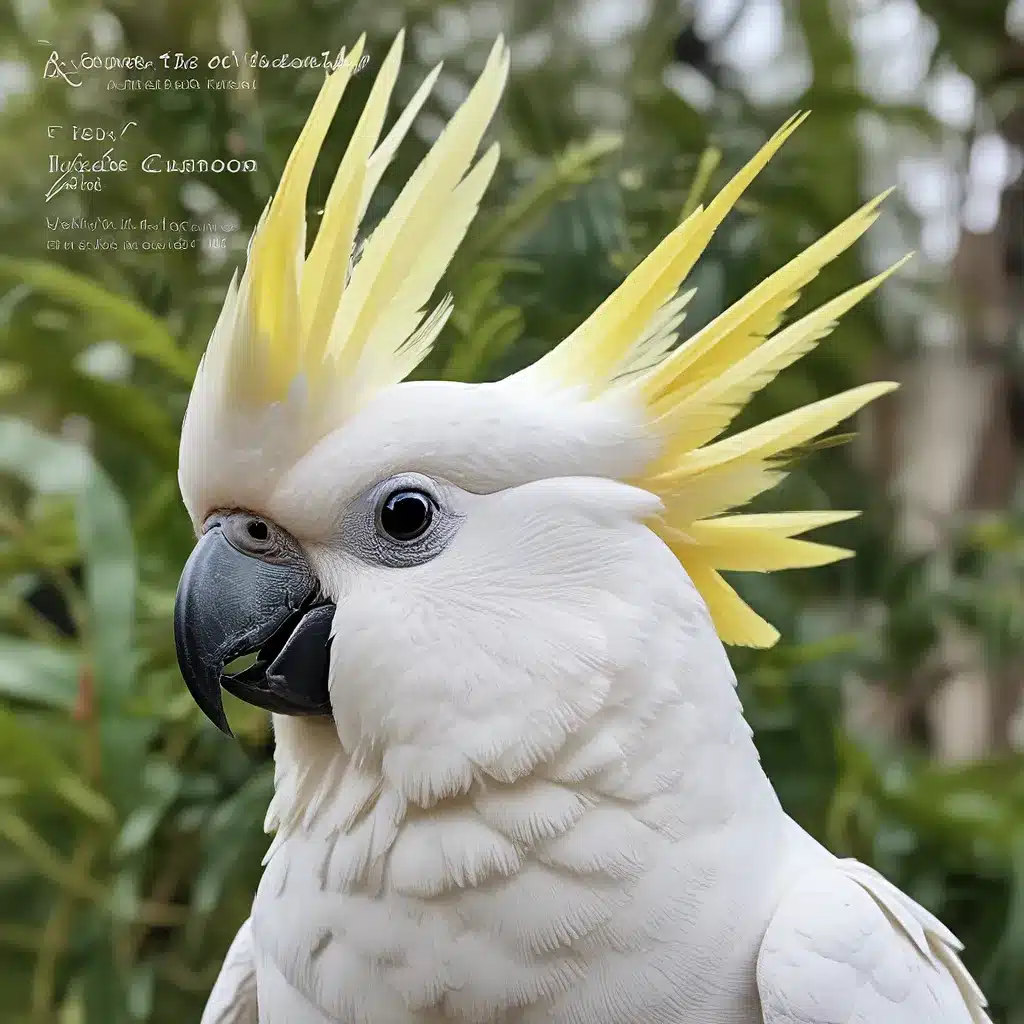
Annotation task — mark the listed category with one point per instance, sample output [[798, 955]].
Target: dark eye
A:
[[406, 515], [257, 529]]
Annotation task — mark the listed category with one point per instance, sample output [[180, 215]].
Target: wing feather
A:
[[233, 998], [847, 947]]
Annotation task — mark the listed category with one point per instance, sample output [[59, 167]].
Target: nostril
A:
[[257, 529]]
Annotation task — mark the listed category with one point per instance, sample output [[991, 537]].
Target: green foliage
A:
[[130, 831]]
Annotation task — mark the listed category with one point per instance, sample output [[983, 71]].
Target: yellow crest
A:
[[344, 326], [348, 327]]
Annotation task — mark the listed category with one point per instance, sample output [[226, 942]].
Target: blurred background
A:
[[890, 716]]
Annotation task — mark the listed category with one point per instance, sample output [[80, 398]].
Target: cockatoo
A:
[[513, 780]]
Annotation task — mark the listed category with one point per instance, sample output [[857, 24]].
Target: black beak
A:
[[248, 588]]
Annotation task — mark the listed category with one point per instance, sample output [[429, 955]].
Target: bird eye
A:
[[257, 529], [406, 515]]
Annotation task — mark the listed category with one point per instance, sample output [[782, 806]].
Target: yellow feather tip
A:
[[691, 393], [346, 326]]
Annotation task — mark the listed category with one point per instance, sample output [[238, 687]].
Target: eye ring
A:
[[406, 514]]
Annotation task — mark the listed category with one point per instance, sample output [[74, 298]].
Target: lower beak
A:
[[229, 604]]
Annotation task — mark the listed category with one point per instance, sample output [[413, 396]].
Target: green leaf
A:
[[106, 542], [163, 786], [106, 988], [576, 165], [109, 554], [226, 838], [72, 1010], [139, 332], [27, 757], [141, 990], [47, 465], [39, 674]]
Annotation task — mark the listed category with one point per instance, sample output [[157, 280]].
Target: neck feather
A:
[[668, 754]]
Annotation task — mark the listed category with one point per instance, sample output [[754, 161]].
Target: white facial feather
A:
[[438, 665], [481, 437]]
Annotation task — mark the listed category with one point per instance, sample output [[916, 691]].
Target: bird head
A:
[[456, 561]]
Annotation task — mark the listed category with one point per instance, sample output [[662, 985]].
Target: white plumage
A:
[[536, 799]]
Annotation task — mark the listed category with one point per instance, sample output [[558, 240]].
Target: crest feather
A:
[[690, 394], [337, 327]]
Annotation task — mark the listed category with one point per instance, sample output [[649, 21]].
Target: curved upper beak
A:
[[231, 603]]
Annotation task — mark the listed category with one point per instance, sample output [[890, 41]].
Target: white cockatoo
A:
[[513, 781]]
